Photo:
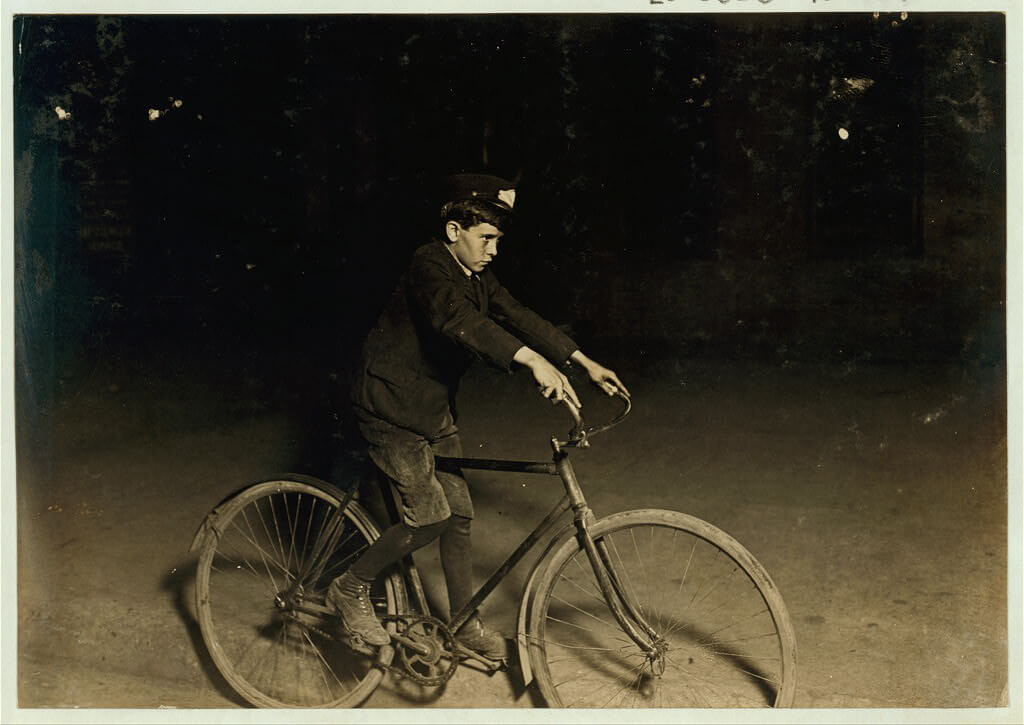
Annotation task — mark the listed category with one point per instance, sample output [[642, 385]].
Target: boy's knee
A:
[[459, 524], [423, 535]]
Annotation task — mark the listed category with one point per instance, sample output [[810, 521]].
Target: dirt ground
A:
[[876, 496]]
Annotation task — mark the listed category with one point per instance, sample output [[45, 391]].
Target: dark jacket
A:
[[436, 322]]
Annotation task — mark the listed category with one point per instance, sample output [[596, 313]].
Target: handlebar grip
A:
[[579, 435], [576, 433]]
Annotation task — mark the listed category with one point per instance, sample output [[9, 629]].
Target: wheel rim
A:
[[276, 641], [722, 637]]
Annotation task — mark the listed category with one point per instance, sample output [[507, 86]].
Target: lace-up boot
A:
[[475, 636], [351, 597]]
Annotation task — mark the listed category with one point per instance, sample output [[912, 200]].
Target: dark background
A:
[[684, 191]]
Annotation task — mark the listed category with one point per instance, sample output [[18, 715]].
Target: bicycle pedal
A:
[[496, 665], [485, 664]]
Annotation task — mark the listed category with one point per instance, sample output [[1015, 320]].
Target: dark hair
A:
[[470, 212]]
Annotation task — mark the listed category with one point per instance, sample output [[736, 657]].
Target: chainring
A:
[[433, 667]]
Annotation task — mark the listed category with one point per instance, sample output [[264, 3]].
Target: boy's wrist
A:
[[580, 359], [527, 357]]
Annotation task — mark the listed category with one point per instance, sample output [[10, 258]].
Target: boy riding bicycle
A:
[[447, 309]]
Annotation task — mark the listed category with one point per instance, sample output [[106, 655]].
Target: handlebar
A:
[[579, 436]]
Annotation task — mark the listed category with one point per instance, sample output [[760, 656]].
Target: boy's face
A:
[[476, 246]]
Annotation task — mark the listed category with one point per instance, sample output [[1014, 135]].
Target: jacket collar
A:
[[441, 250], [465, 270]]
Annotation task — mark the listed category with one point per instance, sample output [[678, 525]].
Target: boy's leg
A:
[[397, 541], [407, 459], [457, 562], [350, 592], [456, 551]]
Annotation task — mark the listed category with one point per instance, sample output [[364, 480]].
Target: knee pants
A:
[[407, 458]]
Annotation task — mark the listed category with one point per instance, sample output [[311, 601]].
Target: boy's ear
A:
[[451, 230]]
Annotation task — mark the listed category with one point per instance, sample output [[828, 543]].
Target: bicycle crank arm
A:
[[308, 607], [416, 647]]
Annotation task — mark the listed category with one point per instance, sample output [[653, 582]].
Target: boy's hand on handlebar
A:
[[601, 376], [551, 383]]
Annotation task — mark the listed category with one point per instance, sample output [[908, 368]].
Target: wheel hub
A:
[[658, 657], [288, 599]]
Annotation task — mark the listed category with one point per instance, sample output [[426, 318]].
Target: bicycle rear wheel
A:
[[724, 638], [274, 639]]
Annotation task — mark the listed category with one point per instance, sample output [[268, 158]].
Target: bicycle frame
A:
[[625, 612]]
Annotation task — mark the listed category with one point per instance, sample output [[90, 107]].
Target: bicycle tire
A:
[[272, 654], [728, 637]]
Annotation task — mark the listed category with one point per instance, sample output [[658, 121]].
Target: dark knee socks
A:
[[402, 539], [457, 562], [396, 542]]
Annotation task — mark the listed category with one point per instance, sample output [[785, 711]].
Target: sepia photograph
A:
[[658, 357]]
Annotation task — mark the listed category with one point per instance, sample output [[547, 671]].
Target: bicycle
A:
[[649, 608]]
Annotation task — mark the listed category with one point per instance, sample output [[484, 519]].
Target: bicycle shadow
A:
[[413, 693], [180, 583], [516, 687]]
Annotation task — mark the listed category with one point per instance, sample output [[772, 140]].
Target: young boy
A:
[[446, 310]]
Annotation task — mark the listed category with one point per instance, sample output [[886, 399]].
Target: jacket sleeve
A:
[[530, 327], [446, 308]]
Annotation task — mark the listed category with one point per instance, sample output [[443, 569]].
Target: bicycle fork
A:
[[625, 611]]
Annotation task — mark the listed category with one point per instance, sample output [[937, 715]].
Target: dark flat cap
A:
[[483, 187]]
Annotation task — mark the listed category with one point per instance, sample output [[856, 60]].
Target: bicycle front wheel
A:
[[721, 632], [262, 575]]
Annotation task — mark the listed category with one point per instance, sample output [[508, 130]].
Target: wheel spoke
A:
[[594, 593], [259, 549], [737, 655], [689, 560], [737, 622], [625, 572], [588, 614], [576, 646], [305, 541], [726, 601], [238, 564], [585, 629], [277, 530], [639, 563], [324, 664], [748, 673], [263, 554], [751, 638], [291, 530], [340, 565], [276, 558]]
